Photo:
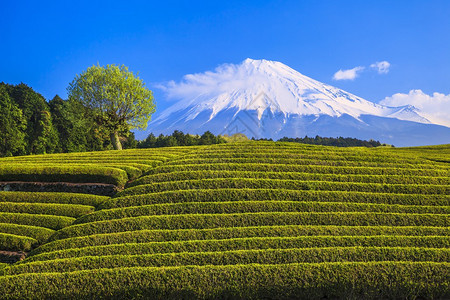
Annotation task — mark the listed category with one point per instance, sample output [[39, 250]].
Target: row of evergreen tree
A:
[[178, 138], [337, 142], [31, 125]]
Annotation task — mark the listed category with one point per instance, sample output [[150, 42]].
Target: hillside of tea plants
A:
[[240, 220]]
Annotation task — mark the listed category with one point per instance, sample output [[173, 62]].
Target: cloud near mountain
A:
[[434, 107], [224, 78], [382, 67], [350, 74]]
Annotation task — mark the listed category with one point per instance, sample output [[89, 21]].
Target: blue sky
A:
[[46, 43]]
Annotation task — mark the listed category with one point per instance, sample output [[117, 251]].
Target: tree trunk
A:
[[115, 141]]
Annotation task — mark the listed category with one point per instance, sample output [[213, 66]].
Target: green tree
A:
[[12, 126], [58, 110], [130, 142], [41, 136], [208, 138], [76, 126], [119, 99], [149, 142], [47, 140]]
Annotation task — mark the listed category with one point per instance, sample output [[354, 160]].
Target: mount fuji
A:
[[267, 99]]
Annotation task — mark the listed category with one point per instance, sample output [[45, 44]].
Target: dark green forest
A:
[[337, 142], [31, 125]]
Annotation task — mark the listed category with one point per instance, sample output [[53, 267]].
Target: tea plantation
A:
[[260, 220]]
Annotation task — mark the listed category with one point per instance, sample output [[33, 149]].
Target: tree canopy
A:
[[12, 126], [40, 135], [118, 99], [178, 138]]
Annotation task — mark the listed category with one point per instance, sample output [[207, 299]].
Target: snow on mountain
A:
[[267, 99]]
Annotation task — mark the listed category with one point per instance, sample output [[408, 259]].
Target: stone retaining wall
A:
[[65, 187]]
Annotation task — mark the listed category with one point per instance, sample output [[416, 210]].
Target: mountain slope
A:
[[267, 99]]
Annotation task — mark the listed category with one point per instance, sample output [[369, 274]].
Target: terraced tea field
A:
[[243, 220]]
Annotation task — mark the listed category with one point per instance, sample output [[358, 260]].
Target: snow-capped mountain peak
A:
[[262, 89], [263, 84]]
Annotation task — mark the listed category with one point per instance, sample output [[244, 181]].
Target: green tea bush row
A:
[[239, 183], [110, 162], [376, 152], [303, 162], [141, 167], [246, 244], [40, 234], [253, 207], [97, 158], [230, 194], [275, 147], [288, 146], [200, 221], [46, 197], [69, 210], [48, 221], [143, 236], [289, 150], [206, 174], [64, 174], [352, 280], [236, 257], [132, 171], [292, 147], [12, 242], [314, 155], [263, 167]]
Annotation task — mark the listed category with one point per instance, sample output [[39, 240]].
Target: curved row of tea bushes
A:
[[254, 243], [14, 242], [206, 174], [235, 257], [145, 235], [161, 154], [64, 174], [306, 162], [61, 198], [132, 171], [236, 194], [68, 210], [418, 154], [40, 234], [141, 158], [47, 221], [310, 155], [264, 167], [134, 165], [233, 207], [251, 183], [371, 280], [200, 221]]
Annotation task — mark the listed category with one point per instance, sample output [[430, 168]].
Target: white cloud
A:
[[224, 78], [381, 66], [350, 74], [435, 108]]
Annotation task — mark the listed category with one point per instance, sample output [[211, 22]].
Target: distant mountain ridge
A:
[[267, 99]]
